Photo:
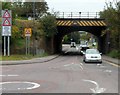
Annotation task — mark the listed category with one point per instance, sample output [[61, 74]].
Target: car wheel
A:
[[85, 61]]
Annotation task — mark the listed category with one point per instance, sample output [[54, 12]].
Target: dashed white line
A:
[[8, 75]]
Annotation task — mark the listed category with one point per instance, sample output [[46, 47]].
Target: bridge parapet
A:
[[77, 14]]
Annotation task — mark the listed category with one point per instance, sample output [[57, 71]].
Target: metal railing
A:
[[77, 14]]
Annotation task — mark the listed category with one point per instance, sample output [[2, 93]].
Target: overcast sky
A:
[[77, 5]]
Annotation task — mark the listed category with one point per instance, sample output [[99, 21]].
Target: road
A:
[[65, 74]]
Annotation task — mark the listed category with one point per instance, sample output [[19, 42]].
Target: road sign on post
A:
[[28, 34], [6, 22], [6, 29]]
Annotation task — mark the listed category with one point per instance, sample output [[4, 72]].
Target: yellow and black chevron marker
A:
[[81, 23]]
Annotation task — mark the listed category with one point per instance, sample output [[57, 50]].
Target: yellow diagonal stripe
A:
[[86, 23], [103, 23], [79, 23], [70, 23], [61, 23], [58, 22], [96, 23], [93, 23], [67, 23], [89, 23], [100, 23], [82, 23]]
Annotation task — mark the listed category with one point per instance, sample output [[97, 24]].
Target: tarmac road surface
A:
[[65, 74]]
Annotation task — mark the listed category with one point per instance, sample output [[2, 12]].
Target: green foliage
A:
[[25, 9], [112, 17], [6, 5], [21, 57], [114, 54], [49, 25], [66, 39]]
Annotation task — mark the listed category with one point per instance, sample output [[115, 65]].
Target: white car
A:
[[73, 44], [92, 55]]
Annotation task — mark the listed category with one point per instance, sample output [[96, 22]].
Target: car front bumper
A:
[[93, 60]]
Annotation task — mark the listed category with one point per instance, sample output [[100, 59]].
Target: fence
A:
[[77, 14]]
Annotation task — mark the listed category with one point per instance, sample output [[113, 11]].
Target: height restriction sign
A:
[[6, 22], [28, 32]]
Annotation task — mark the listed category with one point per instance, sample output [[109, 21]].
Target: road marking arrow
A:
[[97, 89]]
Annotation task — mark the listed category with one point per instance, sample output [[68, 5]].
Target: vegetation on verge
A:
[[112, 17], [21, 57]]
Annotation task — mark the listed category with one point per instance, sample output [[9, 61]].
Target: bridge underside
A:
[[66, 26]]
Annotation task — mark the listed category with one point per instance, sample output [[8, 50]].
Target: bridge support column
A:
[[57, 44], [104, 43], [101, 46]]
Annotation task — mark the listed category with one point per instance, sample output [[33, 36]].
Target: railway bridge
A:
[[81, 21]]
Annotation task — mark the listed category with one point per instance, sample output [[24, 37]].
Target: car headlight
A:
[[99, 57], [88, 56]]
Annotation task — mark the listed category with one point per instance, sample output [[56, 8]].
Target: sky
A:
[[77, 5]]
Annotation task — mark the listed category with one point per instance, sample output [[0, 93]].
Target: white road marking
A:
[[99, 64], [109, 71], [68, 64], [81, 63], [36, 85], [97, 89], [8, 75], [74, 64], [81, 67]]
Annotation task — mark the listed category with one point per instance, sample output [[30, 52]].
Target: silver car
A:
[[92, 55]]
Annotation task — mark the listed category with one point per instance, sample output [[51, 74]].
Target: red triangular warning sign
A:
[[6, 22], [6, 14]]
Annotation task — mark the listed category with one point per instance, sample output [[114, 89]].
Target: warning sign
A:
[[28, 32], [6, 14], [6, 22]]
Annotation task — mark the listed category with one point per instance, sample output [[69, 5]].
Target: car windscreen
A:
[[92, 52]]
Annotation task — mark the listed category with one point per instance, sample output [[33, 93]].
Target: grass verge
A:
[[21, 57]]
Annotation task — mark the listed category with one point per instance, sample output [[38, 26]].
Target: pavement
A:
[[49, 58], [110, 59]]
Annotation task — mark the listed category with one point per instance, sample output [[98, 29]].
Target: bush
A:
[[114, 54]]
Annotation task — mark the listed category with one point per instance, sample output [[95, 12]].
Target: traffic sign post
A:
[[6, 29], [28, 34]]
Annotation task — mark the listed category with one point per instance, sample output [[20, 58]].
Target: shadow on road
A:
[[70, 53]]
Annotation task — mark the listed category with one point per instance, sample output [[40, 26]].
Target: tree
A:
[[49, 25], [25, 9], [6, 5], [112, 17]]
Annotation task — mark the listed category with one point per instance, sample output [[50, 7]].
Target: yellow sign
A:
[[28, 32]]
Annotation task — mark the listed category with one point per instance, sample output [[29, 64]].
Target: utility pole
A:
[[33, 28]]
